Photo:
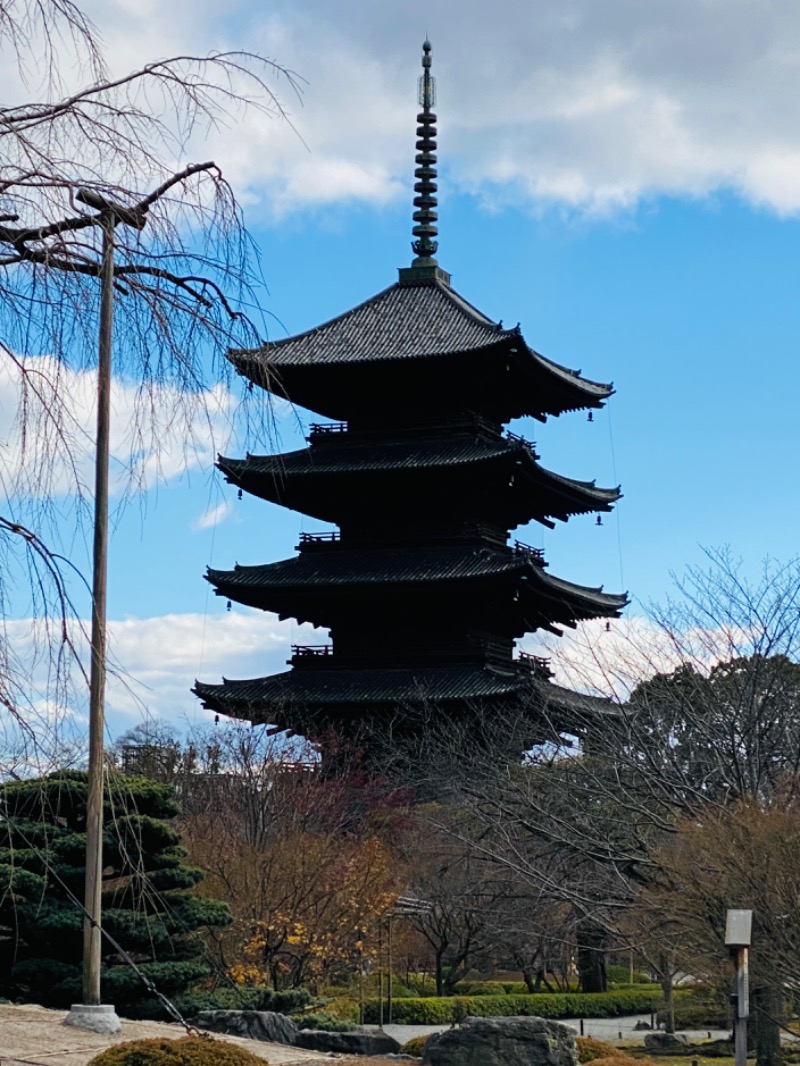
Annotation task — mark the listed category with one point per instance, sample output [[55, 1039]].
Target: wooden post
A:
[[391, 963], [97, 680]]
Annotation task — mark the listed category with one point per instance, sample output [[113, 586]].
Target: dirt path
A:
[[33, 1036]]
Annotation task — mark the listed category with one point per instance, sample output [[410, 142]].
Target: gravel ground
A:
[[33, 1036]]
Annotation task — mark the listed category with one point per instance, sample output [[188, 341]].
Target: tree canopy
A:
[[150, 908]]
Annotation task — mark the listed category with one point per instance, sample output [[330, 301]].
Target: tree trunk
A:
[[439, 974], [591, 957], [669, 1002]]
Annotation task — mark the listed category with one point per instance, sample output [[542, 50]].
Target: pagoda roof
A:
[[276, 699], [419, 321], [279, 477], [297, 587]]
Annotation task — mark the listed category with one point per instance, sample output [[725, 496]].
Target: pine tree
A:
[[148, 906]]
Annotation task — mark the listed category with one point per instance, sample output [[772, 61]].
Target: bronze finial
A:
[[425, 230]]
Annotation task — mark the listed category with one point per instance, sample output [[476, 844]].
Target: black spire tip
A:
[[425, 231]]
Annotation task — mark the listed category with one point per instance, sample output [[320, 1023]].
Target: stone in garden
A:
[[358, 1042], [255, 1024], [665, 1041], [503, 1042]]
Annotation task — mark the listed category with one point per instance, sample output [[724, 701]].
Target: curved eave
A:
[[310, 588], [415, 328], [293, 479], [278, 698], [505, 374]]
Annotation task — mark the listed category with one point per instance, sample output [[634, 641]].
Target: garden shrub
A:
[[323, 1020], [258, 998], [415, 1046], [699, 1013], [590, 1049], [343, 1008], [439, 1011], [186, 1051]]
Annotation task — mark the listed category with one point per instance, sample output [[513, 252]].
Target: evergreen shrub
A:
[[415, 1046], [186, 1051], [258, 998], [149, 906], [439, 1010], [323, 1020], [699, 1012]]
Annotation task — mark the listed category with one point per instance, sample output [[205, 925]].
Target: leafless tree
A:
[[186, 284], [714, 720]]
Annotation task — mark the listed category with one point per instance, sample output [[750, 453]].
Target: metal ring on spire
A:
[[425, 217]]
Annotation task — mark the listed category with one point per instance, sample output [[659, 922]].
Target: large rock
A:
[[255, 1024], [358, 1042], [665, 1041], [503, 1042]]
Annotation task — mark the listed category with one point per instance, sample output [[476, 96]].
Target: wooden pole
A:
[[97, 679]]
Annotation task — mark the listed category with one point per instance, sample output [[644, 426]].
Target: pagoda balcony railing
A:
[[389, 653], [326, 429], [405, 536], [467, 421], [536, 555], [530, 445], [535, 663], [310, 654], [316, 540]]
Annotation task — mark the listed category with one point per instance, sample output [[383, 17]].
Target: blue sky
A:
[[622, 178]]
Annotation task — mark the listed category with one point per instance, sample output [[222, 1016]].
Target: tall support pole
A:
[[97, 677], [91, 1014], [742, 998], [738, 932]]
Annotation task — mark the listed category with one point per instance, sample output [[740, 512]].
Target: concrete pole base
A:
[[97, 1018]]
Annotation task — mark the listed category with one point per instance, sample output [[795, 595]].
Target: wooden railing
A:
[[536, 554], [319, 538], [534, 662]]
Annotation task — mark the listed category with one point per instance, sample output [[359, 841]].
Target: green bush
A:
[[187, 1051], [692, 1013], [415, 1046], [323, 1020], [620, 977], [343, 1008], [439, 1011], [191, 1003]]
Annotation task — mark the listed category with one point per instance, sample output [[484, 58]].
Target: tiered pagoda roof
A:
[[418, 342], [309, 587], [420, 588], [326, 480]]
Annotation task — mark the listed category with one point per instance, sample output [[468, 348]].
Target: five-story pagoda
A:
[[422, 593]]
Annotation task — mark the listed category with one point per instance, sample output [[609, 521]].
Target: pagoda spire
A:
[[425, 230], [425, 268]]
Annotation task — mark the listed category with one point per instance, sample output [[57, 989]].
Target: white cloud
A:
[[47, 430], [213, 516], [592, 104], [163, 656], [610, 659]]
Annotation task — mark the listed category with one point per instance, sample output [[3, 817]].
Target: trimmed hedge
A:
[[699, 1014], [191, 1003], [440, 1011]]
